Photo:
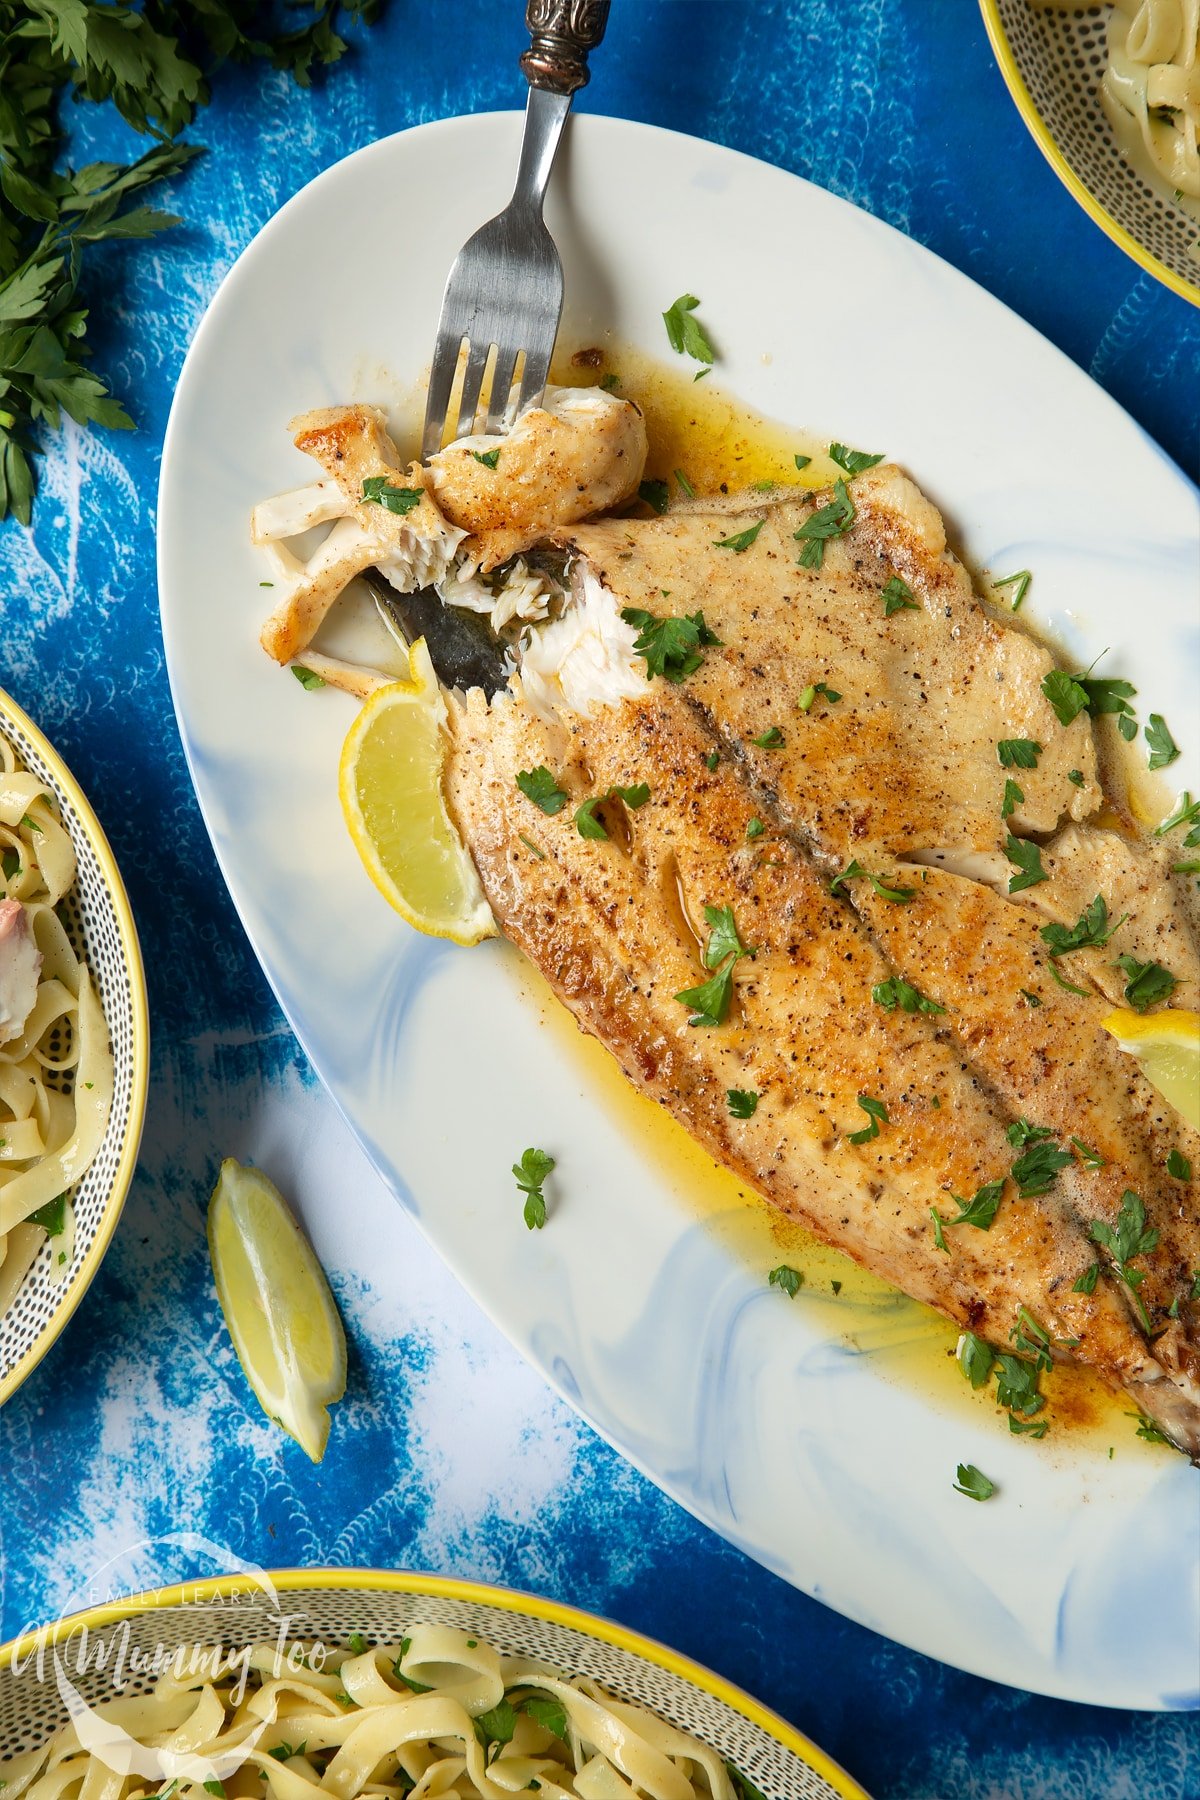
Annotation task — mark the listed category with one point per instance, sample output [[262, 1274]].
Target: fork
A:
[[505, 290]]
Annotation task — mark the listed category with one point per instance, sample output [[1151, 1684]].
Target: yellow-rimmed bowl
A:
[[100, 924], [329, 1604], [1053, 62]]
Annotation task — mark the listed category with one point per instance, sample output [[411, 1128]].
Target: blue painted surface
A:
[[447, 1453]]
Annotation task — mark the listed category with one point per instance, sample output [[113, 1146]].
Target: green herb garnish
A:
[[379, 491], [771, 739], [743, 1102], [809, 694], [489, 458], [540, 786], [1075, 776], [1086, 1283], [853, 461], [655, 494], [897, 595], [308, 678], [755, 828], [1130, 1237], [685, 332], [531, 1173], [1036, 1170], [741, 540], [830, 521], [550, 1714], [1013, 797], [975, 1358], [1090, 931], [1146, 983], [1178, 1166], [973, 1483], [876, 1113], [1028, 859], [1018, 753], [52, 1217], [853, 870], [896, 992], [1019, 584], [787, 1278], [673, 647]]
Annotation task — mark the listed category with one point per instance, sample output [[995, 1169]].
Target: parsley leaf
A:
[[540, 786], [496, 1726], [1066, 695], [1013, 797], [609, 382], [1091, 1159], [710, 999], [755, 828], [1019, 584], [741, 540], [1147, 983], [307, 677], [875, 1111], [980, 1211], [809, 694], [634, 796], [655, 494], [1090, 931], [1105, 695], [897, 595], [550, 1714], [896, 992], [973, 1483], [787, 1278], [801, 462], [1028, 859], [531, 1173], [743, 1102], [1062, 982], [586, 822], [52, 1217], [1017, 1385], [853, 461], [830, 521], [672, 647], [899, 895], [1018, 753], [711, 760], [378, 490], [1163, 748], [771, 739], [1130, 1237], [489, 458], [1021, 1132], [1034, 1428], [1148, 1430], [723, 938], [357, 1643], [1036, 1170], [1186, 811], [975, 1358], [1178, 1166], [1086, 1283], [685, 332], [684, 485], [1075, 776], [1032, 1339]]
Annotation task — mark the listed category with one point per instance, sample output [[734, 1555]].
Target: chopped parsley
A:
[[711, 760], [743, 1102], [685, 332], [1186, 811], [741, 540], [1066, 696], [1086, 1283], [655, 494], [897, 595], [787, 1278], [1064, 983], [673, 647], [1130, 1237], [540, 786], [1178, 1166], [52, 1217], [809, 694], [399, 500], [973, 1483], [586, 822], [1090, 931], [489, 458], [1148, 1430], [1029, 998], [1127, 726], [308, 678], [1031, 1339], [1028, 860], [1013, 797], [531, 1173], [357, 1643], [771, 739], [1105, 695], [899, 895], [550, 1714], [755, 828], [896, 992], [853, 461], [1019, 583], [1021, 1132], [534, 849], [981, 1210], [1017, 1385], [1036, 1170], [710, 999], [975, 1358], [497, 1725], [1018, 753], [1076, 776], [801, 462], [830, 521], [684, 485], [1034, 1428], [1091, 1159], [876, 1111], [1146, 983]]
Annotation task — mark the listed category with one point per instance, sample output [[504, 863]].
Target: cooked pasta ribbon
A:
[[56, 1073], [439, 1716]]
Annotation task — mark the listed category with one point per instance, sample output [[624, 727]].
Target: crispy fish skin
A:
[[617, 926]]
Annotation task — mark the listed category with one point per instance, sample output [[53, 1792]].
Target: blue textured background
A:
[[447, 1452]]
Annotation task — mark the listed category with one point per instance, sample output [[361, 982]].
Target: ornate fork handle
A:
[[563, 34]]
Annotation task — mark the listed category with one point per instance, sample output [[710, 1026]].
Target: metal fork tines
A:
[[504, 295]]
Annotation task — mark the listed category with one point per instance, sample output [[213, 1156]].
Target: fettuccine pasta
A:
[[56, 1073], [440, 1715], [1151, 89]]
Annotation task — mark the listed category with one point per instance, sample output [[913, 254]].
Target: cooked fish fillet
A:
[[901, 775]]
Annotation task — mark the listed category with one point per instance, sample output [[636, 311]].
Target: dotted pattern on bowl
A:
[[30, 1706], [90, 916], [1062, 57]]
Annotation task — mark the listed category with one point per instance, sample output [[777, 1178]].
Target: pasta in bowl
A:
[[73, 1045], [351, 1682]]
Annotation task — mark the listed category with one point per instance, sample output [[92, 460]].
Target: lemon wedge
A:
[[277, 1305], [1167, 1045], [390, 786]]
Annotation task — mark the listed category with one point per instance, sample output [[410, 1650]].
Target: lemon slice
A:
[[277, 1305], [1167, 1044], [390, 786]]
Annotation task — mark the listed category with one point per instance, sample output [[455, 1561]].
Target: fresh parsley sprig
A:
[[900, 896], [1130, 1237], [685, 333], [723, 951], [830, 521], [1146, 983], [673, 647], [531, 1172], [896, 992], [1090, 931]]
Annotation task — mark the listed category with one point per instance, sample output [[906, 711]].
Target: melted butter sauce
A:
[[720, 444]]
